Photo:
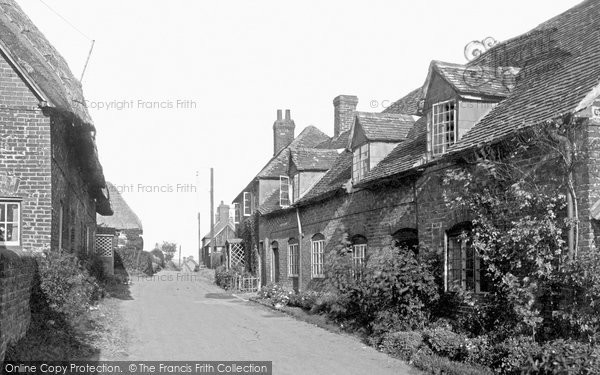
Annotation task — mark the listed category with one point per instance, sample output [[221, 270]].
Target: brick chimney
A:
[[223, 213], [344, 107], [283, 131]]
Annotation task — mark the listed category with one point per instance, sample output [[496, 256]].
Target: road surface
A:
[[176, 317]]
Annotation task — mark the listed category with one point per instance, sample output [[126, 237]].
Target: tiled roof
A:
[[336, 143], [405, 156], [478, 80], [270, 204], [555, 83], [123, 217], [409, 104], [278, 165], [312, 159], [334, 180], [389, 127]]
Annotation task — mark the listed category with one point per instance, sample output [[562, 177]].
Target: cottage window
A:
[[247, 203], [317, 244], [284, 191], [10, 223], [296, 187], [360, 162], [359, 251], [443, 127], [463, 264], [293, 257], [237, 214]]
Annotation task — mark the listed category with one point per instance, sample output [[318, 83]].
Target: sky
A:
[[176, 88]]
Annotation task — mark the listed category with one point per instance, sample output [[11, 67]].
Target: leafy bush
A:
[[305, 299], [403, 345], [276, 293], [564, 357], [135, 260], [512, 354], [224, 276], [435, 364], [444, 342], [392, 292], [66, 284], [479, 350]]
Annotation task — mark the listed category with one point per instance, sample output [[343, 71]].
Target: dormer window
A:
[[443, 126], [284, 191], [360, 162]]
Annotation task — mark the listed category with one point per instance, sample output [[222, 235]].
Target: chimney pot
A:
[[279, 115], [287, 114]]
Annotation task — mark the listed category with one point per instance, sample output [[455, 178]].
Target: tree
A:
[[169, 249]]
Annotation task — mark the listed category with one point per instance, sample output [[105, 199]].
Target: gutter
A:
[[300, 236]]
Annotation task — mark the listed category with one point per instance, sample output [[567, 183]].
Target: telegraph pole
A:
[[212, 212]]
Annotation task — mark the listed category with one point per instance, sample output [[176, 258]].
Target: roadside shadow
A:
[[219, 296], [118, 286]]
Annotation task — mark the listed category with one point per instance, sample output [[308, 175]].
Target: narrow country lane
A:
[[172, 318]]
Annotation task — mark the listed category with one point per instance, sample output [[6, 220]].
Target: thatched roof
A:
[[123, 218], [45, 70]]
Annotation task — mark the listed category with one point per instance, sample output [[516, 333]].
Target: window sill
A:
[[317, 276]]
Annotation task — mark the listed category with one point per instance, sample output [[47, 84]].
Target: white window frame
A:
[[317, 258], [285, 195], [361, 156], [359, 252], [296, 187], [441, 119], [237, 215], [293, 266], [247, 201], [4, 223]]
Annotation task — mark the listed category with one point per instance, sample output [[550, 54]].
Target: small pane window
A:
[[463, 264], [293, 257], [360, 162], [247, 203], [10, 223], [443, 127], [237, 214], [317, 246]]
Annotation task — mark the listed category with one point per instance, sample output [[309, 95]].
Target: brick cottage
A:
[[378, 180], [51, 181]]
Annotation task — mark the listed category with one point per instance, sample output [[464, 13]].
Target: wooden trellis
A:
[[236, 254], [105, 249]]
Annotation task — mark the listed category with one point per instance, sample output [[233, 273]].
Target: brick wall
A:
[[17, 270]]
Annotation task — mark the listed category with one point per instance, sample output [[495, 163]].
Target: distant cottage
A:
[[121, 230]]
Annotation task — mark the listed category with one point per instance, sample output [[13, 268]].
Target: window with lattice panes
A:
[[360, 162], [293, 257], [463, 264], [10, 223], [443, 127], [317, 246]]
